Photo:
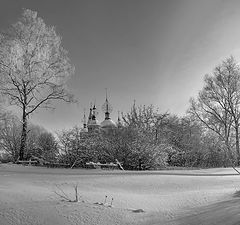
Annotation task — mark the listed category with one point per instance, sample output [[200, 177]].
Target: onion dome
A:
[[93, 123], [108, 124], [94, 120]]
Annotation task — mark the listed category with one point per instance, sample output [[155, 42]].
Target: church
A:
[[92, 125]]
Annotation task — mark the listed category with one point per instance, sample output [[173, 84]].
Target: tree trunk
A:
[[139, 164], [237, 145], [229, 153], [23, 136]]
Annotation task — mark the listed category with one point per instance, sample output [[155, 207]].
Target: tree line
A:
[[146, 139]]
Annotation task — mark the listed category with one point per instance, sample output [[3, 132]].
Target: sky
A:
[[152, 51]]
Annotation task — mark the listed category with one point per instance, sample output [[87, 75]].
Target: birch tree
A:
[[34, 67]]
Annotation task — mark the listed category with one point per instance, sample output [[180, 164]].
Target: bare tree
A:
[[77, 148], [33, 67], [218, 104], [9, 134], [143, 142]]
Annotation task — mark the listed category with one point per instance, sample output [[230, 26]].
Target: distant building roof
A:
[[108, 124]]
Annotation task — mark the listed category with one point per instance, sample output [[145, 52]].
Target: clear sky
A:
[[154, 51]]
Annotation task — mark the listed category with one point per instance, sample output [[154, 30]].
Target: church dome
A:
[[93, 123], [108, 124]]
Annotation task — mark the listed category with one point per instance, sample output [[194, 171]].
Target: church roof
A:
[[93, 123], [108, 123]]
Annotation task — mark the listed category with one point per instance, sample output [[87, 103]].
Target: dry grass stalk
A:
[[59, 192]]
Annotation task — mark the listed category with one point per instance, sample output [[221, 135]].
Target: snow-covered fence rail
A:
[[92, 165]]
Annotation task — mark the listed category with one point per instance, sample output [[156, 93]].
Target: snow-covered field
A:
[[27, 196]]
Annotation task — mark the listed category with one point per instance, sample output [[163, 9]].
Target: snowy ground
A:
[[184, 197]]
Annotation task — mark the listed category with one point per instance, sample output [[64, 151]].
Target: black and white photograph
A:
[[119, 112]]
